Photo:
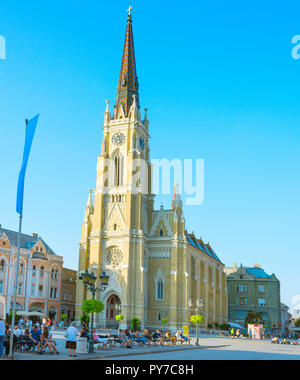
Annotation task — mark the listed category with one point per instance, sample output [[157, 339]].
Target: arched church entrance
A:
[[111, 312]]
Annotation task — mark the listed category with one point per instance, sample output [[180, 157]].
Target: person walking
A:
[[2, 334], [71, 335]]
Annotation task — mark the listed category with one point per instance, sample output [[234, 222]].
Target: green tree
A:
[[135, 324], [164, 322], [92, 306], [63, 316], [119, 318], [297, 322], [84, 318], [196, 320], [253, 317]]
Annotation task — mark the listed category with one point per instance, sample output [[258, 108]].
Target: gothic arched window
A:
[[159, 280], [118, 169], [160, 290], [2, 266]]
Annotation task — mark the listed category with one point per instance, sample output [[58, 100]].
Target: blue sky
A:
[[220, 84]]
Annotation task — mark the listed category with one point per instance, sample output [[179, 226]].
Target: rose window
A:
[[114, 257]]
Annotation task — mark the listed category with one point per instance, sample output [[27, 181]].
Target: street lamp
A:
[[89, 281], [199, 305]]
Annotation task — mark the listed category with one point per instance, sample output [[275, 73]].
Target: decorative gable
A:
[[115, 220], [39, 248], [4, 242]]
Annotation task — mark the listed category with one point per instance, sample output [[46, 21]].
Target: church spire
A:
[[128, 84]]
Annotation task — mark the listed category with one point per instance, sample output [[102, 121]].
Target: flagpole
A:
[[11, 341], [15, 291]]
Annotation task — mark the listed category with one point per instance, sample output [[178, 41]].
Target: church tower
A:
[[156, 269], [116, 225]]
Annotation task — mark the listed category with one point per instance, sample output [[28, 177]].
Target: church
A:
[[157, 270]]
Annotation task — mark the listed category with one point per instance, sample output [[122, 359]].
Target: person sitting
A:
[[26, 342], [182, 338], [121, 338], [140, 338], [46, 340], [158, 336], [101, 340], [84, 333], [170, 338], [35, 337]]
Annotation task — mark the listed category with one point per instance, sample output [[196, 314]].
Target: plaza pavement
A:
[[211, 347]]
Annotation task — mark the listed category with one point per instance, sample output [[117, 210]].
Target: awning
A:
[[30, 313]]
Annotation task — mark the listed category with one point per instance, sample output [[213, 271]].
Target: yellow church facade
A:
[[156, 268]]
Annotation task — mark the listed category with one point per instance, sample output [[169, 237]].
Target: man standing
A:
[[2, 334]]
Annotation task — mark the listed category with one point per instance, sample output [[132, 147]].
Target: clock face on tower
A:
[[142, 143], [118, 139]]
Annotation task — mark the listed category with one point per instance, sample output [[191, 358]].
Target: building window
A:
[[19, 289], [53, 293], [261, 302], [159, 317], [242, 288], [2, 266], [243, 301], [32, 290], [159, 285], [42, 272], [34, 271], [22, 269], [118, 162], [41, 291], [1, 287], [161, 232], [54, 274], [160, 290], [261, 288]]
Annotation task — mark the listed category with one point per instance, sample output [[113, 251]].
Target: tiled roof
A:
[[128, 81], [201, 246], [27, 241], [257, 273]]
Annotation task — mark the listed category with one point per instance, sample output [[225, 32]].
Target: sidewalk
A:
[[115, 352]]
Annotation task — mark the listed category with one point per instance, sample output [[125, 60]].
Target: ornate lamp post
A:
[[89, 281], [199, 306]]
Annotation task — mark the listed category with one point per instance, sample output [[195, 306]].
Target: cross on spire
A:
[[129, 10]]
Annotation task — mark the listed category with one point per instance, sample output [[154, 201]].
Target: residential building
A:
[[252, 289], [68, 293], [40, 274]]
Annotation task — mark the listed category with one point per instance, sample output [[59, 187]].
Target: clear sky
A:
[[220, 84]]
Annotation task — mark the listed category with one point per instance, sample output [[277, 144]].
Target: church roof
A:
[[201, 246], [128, 81], [26, 242]]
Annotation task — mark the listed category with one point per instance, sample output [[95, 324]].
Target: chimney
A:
[[35, 235], [234, 266]]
